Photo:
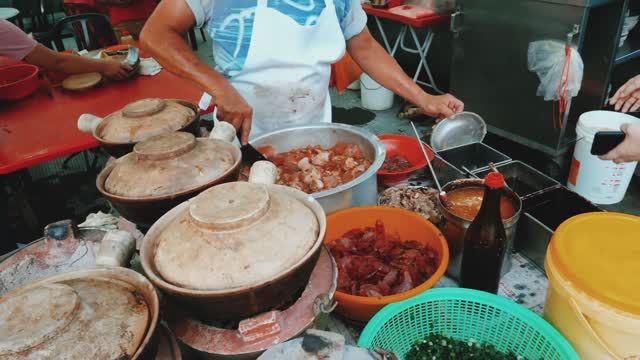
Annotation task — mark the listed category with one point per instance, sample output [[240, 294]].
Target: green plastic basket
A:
[[465, 314]]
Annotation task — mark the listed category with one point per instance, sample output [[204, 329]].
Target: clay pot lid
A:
[[169, 164], [42, 313], [142, 119], [82, 318], [239, 235]]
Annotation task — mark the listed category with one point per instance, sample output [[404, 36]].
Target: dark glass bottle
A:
[[485, 242]]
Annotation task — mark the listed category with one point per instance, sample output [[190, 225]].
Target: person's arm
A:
[[629, 149], [162, 38], [73, 64], [627, 98], [384, 69]]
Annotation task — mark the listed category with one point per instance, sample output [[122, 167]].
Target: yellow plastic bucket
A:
[[593, 265]]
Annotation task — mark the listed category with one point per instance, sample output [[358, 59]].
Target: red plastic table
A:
[[38, 129], [409, 25]]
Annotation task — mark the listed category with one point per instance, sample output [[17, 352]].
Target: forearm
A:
[[74, 64], [171, 50], [374, 60]]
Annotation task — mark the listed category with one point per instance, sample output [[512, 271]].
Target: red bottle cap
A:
[[494, 180]]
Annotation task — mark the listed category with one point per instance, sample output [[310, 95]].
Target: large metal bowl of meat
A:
[[359, 191]]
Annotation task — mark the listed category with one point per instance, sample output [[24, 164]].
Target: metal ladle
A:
[[443, 195]]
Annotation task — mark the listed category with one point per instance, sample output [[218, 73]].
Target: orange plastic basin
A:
[[409, 226]]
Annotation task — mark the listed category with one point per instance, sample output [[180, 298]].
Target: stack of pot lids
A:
[[460, 129], [144, 118], [170, 163], [239, 235], [74, 317]]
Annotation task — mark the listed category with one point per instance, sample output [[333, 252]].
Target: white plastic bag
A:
[[547, 59]]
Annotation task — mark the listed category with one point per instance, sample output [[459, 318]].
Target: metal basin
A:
[[454, 227], [544, 212], [522, 178], [360, 191], [474, 157]]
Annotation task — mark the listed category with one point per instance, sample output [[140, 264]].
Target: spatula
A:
[[250, 154]]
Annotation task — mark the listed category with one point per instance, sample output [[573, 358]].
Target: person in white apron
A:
[[273, 58]]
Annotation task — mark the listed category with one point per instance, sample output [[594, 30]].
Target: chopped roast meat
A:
[[313, 169], [372, 262], [423, 201]]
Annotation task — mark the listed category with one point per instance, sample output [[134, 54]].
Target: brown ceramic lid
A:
[[142, 119], [81, 318], [170, 163], [233, 236], [80, 82]]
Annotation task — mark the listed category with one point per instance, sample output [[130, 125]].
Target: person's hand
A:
[[115, 69], [233, 109], [441, 106], [627, 98], [629, 149]]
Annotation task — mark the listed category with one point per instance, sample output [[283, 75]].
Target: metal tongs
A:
[[443, 195]]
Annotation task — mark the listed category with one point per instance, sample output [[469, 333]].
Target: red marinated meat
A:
[[372, 262], [396, 163], [405, 284]]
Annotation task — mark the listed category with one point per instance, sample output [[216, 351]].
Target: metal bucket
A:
[[454, 227]]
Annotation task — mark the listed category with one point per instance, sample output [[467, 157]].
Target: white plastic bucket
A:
[[601, 182], [373, 95]]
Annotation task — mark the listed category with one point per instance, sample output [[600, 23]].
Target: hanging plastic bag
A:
[[559, 68]]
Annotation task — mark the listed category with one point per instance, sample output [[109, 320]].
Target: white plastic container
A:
[[601, 182], [373, 95]]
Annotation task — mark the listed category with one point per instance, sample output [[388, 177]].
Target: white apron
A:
[[286, 74]]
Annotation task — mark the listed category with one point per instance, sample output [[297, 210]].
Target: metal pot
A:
[[242, 277], [164, 155], [454, 227], [94, 125], [360, 191]]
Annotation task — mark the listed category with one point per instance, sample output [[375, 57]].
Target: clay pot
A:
[[88, 314], [235, 250], [140, 120], [164, 171]]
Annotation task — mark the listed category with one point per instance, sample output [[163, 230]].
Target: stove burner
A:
[[254, 335]]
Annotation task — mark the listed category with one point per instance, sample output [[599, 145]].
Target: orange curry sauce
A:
[[465, 203]]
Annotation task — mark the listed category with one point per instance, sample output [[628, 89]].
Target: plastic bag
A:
[[547, 59]]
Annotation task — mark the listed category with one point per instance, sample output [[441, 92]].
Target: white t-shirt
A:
[[230, 24]]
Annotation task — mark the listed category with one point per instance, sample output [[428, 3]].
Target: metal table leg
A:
[[423, 50], [385, 40]]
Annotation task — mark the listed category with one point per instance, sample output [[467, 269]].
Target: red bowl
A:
[[406, 146], [18, 81]]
